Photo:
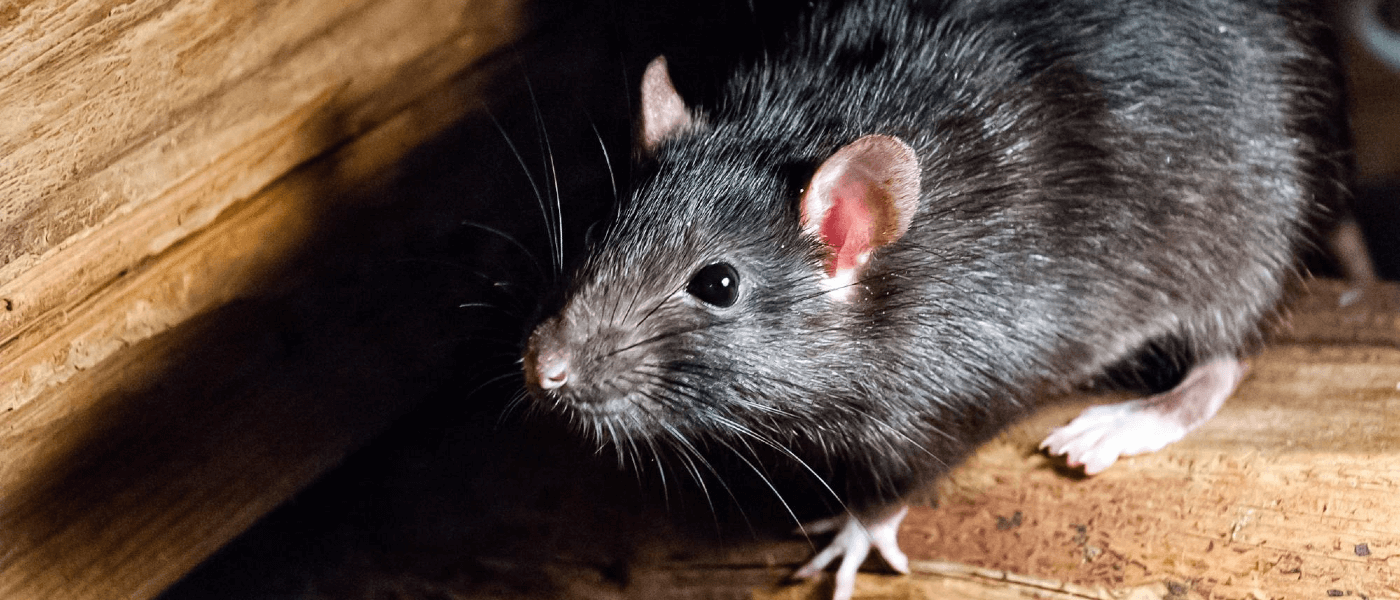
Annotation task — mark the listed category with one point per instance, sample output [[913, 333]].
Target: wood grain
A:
[[129, 127], [162, 160]]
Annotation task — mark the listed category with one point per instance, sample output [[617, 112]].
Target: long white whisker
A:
[[660, 464], [740, 429], [517, 401], [777, 494], [519, 158], [694, 452], [612, 178], [558, 232], [509, 238]]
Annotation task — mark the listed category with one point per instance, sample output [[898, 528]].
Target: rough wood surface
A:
[[127, 127], [161, 159]]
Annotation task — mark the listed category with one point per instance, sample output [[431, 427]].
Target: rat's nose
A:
[[548, 359], [552, 370]]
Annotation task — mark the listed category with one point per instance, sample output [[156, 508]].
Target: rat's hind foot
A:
[[853, 543], [1099, 435]]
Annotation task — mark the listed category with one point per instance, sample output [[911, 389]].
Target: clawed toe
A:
[[853, 543]]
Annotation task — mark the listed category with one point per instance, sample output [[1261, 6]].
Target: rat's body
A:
[[934, 214]]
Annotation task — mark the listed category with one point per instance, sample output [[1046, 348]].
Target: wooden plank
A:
[[1290, 492], [119, 471], [128, 127], [215, 463]]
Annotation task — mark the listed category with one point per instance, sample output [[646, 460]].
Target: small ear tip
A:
[[901, 162], [657, 72], [890, 144], [663, 112]]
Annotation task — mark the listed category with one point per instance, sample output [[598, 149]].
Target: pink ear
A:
[[860, 199], [663, 112]]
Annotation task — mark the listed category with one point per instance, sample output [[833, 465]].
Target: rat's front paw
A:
[[852, 543]]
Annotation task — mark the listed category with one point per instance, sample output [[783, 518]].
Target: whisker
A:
[[656, 458], [519, 158], [504, 285], [489, 382], [664, 335], [658, 306], [518, 402], [699, 479], [632, 304], [498, 308], [539, 271], [548, 149], [612, 178], [740, 429], [764, 478]]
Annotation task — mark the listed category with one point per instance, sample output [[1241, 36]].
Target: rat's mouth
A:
[[613, 420], [583, 404], [605, 408]]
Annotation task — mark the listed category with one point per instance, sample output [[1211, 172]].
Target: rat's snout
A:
[[551, 371], [548, 363], [586, 367]]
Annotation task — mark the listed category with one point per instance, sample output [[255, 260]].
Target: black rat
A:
[[895, 235]]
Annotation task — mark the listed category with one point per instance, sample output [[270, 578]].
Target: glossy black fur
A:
[[1099, 178]]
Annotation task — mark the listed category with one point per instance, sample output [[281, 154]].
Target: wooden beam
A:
[[129, 127], [162, 160]]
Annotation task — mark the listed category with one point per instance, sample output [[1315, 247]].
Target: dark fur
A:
[[1098, 178]]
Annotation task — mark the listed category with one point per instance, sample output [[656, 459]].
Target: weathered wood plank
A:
[[221, 459], [128, 127], [163, 206]]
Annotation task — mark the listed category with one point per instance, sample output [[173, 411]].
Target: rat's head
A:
[[722, 297]]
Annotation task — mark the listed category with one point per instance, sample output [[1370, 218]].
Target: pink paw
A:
[[1101, 434]]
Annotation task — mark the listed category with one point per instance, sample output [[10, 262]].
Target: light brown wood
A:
[[160, 161], [128, 127]]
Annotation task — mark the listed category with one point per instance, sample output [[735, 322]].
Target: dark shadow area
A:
[[1378, 212]]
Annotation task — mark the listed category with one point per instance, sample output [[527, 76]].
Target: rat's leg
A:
[[1101, 434], [853, 541], [1348, 246]]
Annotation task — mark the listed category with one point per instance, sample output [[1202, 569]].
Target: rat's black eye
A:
[[716, 284]]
